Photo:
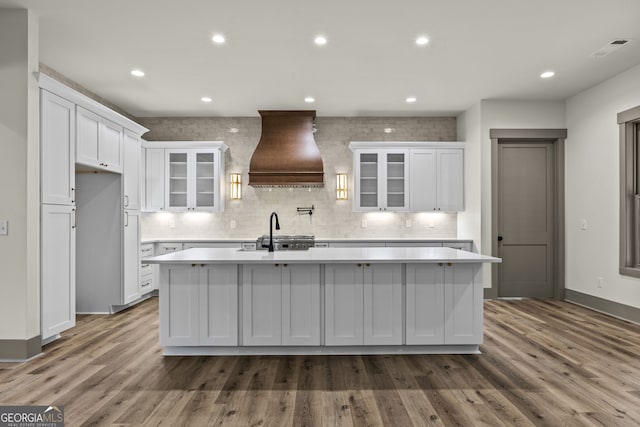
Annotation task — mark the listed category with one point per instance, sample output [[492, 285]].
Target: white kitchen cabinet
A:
[[99, 141], [382, 304], [201, 302], [131, 257], [154, 179], [425, 304], [281, 304], [344, 304], [131, 171], [463, 296], [443, 304], [218, 310], [58, 142], [179, 300], [58, 269], [381, 180], [363, 304], [436, 179], [193, 179]]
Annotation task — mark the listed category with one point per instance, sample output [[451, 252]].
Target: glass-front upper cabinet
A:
[[381, 180], [193, 180]]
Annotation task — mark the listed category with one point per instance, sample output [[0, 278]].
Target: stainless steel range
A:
[[287, 243]]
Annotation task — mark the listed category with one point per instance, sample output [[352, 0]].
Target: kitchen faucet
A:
[[271, 229]]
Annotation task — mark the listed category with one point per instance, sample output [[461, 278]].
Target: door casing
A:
[[557, 138]]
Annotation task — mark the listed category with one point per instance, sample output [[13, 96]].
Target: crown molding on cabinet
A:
[[52, 85], [356, 145], [185, 144]]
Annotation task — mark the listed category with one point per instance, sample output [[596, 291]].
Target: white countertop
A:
[[321, 256], [318, 239]]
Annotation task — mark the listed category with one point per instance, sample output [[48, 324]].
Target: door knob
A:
[[499, 238]]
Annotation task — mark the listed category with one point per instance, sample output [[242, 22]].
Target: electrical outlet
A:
[[233, 223], [4, 227], [583, 225], [172, 223], [407, 223], [363, 223], [600, 282]]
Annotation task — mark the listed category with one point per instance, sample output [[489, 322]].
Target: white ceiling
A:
[[479, 49]]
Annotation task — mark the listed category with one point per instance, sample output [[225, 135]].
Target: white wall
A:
[[498, 114], [592, 188], [469, 131], [19, 176]]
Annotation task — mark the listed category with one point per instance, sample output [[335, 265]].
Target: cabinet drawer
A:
[[146, 269], [146, 284], [167, 248], [146, 250]]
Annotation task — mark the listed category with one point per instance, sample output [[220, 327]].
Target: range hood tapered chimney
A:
[[287, 155]]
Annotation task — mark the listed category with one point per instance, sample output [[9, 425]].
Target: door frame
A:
[[557, 138]]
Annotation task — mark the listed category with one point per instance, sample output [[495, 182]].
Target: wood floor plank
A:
[[543, 363]]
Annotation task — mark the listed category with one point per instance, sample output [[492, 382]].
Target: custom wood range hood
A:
[[287, 154]]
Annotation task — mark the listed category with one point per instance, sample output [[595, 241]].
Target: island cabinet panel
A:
[[382, 304], [281, 304], [218, 305], [301, 305], [425, 304], [344, 304], [463, 304], [261, 305], [179, 296]]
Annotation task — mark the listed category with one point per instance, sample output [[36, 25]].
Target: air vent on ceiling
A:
[[610, 47]]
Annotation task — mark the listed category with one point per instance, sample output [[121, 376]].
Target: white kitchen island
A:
[[321, 301]]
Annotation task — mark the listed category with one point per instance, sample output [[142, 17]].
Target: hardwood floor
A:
[[543, 363]]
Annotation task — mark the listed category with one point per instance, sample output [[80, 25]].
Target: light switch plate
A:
[[4, 227], [233, 223], [407, 223], [363, 223], [172, 223]]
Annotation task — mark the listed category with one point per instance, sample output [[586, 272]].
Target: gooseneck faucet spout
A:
[[271, 248]]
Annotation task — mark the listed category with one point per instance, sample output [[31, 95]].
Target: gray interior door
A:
[[525, 219]]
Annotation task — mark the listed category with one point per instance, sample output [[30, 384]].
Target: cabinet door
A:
[[58, 269], [131, 254], [463, 304], [368, 180], [450, 180], [179, 301], [154, 179], [88, 136], [58, 141], [131, 171], [219, 305], [383, 304], [203, 186], [261, 304], [425, 304], [396, 181], [110, 151], [423, 177], [343, 304], [301, 304], [176, 180]]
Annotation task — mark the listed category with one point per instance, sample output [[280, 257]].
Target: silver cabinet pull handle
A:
[[75, 218], [126, 215], [126, 200]]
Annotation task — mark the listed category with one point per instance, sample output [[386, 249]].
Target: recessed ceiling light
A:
[[422, 40], [309, 99], [206, 99], [137, 73], [218, 38], [547, 74], [320, 40], [411, 99]]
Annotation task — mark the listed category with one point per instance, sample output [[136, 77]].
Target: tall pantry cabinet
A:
[[72, 184]]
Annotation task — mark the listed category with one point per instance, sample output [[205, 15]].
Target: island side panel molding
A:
[[463, 304], [219, 305]]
